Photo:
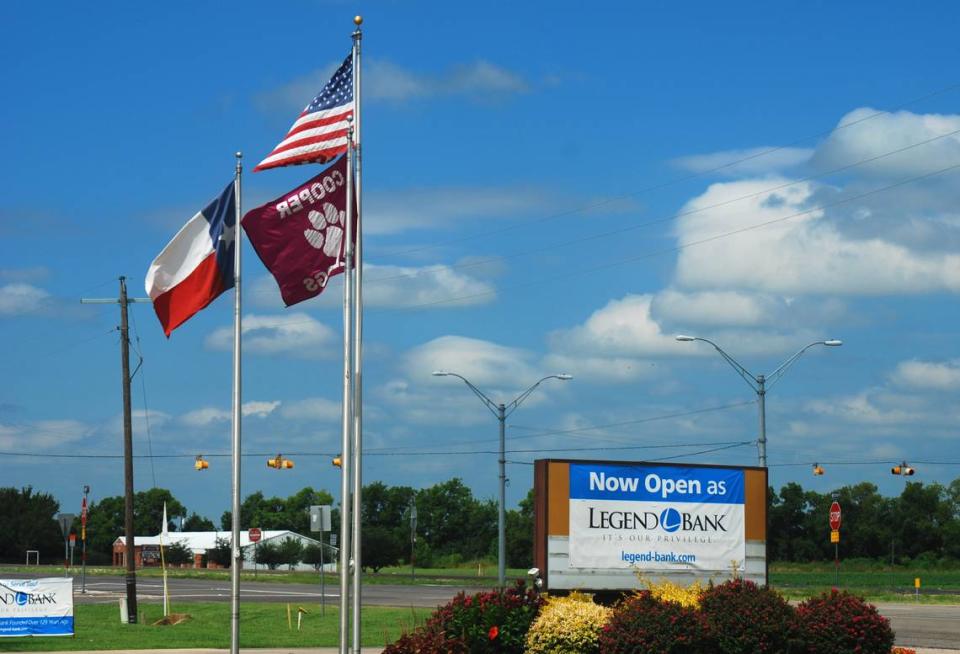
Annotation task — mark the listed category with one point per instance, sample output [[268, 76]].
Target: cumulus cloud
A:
[[798, 250], [387, 81], [733, 308], [751, 161], [930, 375], [482, 362], [871, 133], [33, 274], [294, 334]]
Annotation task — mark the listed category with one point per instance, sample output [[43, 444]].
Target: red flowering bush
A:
[[841, 623], [641, 624], [492, 622], [744, 618]]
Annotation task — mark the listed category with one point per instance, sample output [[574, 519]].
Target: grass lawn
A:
[[261, 625], [875, 582]]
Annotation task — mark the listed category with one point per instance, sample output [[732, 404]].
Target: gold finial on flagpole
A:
[[358, 20]]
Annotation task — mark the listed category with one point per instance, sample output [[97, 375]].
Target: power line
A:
[[146, 409], [685, 178]]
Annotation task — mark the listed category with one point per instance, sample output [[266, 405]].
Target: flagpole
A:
[[345, 456], [357, 347], [236, 553], [163, 564]]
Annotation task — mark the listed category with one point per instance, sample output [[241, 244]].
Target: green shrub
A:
[[568, 625], [744, 618], [839, 623], [641, 624], [491, 622]]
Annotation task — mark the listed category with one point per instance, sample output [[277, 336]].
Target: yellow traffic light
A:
[[200, 464], [817, 469], [896, 470], [337, 462], [279, 463]]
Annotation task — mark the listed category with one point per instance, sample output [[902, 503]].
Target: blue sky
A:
[[547, 189]]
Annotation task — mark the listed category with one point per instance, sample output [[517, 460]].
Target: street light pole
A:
[[759, 382], [501, 411]]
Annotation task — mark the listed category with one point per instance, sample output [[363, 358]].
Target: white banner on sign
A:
[[656, 535], [36, 607]]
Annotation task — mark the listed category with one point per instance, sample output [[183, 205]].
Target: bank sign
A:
[[36, 607], [656, 518]]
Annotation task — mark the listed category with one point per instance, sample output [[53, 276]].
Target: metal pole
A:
[[83, 539], [762, 443], [237, 554], [502, 516], [323, 580], [347, 440], [357, 346], [131, 578], [836, 562]]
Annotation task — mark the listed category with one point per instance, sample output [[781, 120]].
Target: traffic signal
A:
[[279, 463], [200, 464], [902, 469], [337, 462], [817, 469]]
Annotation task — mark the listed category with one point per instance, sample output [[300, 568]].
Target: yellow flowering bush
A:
[[667, 591], [568, 625]]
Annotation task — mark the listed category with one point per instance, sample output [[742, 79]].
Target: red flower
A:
[[493, 633]]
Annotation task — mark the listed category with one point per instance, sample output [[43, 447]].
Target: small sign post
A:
[[320, 521], [916, 586], [835, 519], [66, 521], [254, 534]]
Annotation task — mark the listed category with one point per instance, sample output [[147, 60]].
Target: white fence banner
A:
[[656, 518], [36, 607]]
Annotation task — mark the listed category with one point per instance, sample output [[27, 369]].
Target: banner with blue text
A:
[[36, 607], [656, 518]]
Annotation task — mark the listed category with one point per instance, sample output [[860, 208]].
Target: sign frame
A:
[[554, 495], [37, 607], [835, 516], [254, 531]]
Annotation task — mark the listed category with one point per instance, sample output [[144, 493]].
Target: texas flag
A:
[[197, 265]]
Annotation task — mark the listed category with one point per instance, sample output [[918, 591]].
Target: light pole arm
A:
[[490, 404], [524, 395], [743, 372], [775, 376]]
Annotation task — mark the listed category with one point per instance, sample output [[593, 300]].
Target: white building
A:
[[147, 548]]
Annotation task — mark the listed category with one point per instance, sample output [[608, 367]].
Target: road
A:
[[918, 625]]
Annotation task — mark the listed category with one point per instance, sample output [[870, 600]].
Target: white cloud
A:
[[752, 161], [601, 369], [312, 408], [34, 274], [733, 308], [623, 327], [293, 334], [794, 254], [482, 362], [42, 434], [388, 81], [887, 132], [18, 299], [931, 375], [207, 415]]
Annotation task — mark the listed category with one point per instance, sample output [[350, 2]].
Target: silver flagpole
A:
[[357, 350], [236, 558], [345, 456]]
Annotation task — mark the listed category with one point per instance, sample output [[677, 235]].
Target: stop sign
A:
[[835, 516], [255, 534]]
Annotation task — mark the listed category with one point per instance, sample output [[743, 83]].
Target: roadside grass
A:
[[98, 627]]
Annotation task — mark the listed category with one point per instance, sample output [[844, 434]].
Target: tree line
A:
[[453, 526]]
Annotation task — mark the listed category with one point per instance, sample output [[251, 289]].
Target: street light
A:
[[501, 411], [759, 382]]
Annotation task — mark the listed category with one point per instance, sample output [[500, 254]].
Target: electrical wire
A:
[[143, 388]]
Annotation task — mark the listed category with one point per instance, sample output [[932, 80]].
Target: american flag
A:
[[320, 132]]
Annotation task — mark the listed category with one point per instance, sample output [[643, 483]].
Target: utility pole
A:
[[130, 554]]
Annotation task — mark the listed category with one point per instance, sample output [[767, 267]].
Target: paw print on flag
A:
[[327, 232]]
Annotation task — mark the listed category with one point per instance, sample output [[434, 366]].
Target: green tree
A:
[[381, 547], [291, 551], [268, 554], [198, 523], [148, 511], [312, 551], [454, 524], [176, 553], [519, 528], [220, 553], [29, 524], [104, 526]]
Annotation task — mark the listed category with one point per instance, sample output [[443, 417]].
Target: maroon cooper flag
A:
[[300, 235]]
